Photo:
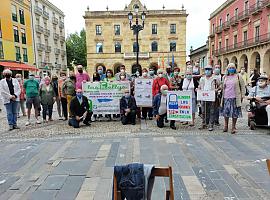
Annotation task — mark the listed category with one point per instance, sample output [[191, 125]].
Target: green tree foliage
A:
[[76, 48]]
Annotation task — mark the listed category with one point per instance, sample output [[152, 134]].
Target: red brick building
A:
[[240, 33]]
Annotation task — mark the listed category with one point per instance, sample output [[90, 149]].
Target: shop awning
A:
[[17, 66]]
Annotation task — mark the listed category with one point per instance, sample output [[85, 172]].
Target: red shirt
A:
[[158, 82]]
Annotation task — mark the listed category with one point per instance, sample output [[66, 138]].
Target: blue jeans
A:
[[12, 112]]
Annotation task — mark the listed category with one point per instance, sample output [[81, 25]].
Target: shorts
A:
[[32, 101]]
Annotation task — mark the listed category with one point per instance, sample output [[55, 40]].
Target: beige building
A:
[[49, 37], [111, 43]]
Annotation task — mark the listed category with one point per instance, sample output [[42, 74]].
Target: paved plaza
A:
[[54, 161]]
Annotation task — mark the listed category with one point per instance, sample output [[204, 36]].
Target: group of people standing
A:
[[72, 105]]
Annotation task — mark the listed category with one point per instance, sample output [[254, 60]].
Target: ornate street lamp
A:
[[136, 28]]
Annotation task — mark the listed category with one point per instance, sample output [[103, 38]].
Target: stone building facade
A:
[[199, 55], [111, 43], [240, 33]]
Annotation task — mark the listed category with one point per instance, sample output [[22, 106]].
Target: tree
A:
[[76, 48]]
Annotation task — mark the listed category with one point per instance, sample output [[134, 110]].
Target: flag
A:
[[158, 61], [168, 61], [163, 65], [172, 61]]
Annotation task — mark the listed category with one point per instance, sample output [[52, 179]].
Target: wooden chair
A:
[[268, 165], [156, 172]]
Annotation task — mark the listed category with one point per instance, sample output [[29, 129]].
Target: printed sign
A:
[[143, 92], [206, 95], [179, 106], [105, 96]]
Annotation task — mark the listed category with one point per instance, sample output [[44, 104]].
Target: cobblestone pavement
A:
[[54, 161]]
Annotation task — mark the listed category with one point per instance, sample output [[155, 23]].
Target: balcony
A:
[[219, 29], [256, 8], [56, 51], [62, 39], [131, 56], [38, 10], [243, 16], [40, 47], [46, 15], [258, 40], [61, 25], [55, 21], [234, 21], [226, 25], [56, 36], [47, 32], [39, 29], [63, 53], [48, 49]]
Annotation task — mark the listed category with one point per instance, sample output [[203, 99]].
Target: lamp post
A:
[[136, 28]]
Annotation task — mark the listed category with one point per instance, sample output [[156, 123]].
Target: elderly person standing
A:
[[62, 97], [21, 105], [233, 94], [122, 71], [47, 97], [68, 90], [55, 83], [101, 73], [10, 91], [158, 82], [81, 77], [175, 81]]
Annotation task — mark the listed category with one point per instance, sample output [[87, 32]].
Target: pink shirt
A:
[[229, 92], [80, 78]]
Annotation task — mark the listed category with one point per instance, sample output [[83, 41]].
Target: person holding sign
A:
[[79, 108], [128, 108], [208, 87], [160, 107], [233, 94]]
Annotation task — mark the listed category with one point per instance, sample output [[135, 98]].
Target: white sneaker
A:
[[38, 122], [27, 123]]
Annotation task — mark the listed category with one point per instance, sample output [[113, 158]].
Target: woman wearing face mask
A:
[[109, 75], [189, 83], [63, 98], [123, 77], [47, 97], [233, 94], [21, 105], [176, 80], [158, 82], [10, 91]]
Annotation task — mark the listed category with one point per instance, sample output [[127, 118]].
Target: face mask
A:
[[231, 71], [63, 78], [164, 92], [151, 73], [19, 79], [137, 74], [79, 95], [8, 75], [189, 76], [100, 71], [208, 72], [31, 77], [217, 71], [122, 77], [251, 72], [122, 70], [144, 74], [176, 73], [109, 74], [261, 83], [127, 95], [80, 71], [242, 71], [160, 75]]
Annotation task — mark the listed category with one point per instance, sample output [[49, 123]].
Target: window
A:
[[1, 50], [154, 29], [0, 30], [236, 13], [99, 47], [228, 18], [235, 38], [117, 30], [227, 44], [220, 22], [98, 30], [172, 46], [245, 37], [257, 33], [14, 13], [18, 53], [173, 28], [23, 36], [219, 45], [21, 12], [117, 47], [135, 47], [246, 6], [16, 34], [154, 46], [25, 57]]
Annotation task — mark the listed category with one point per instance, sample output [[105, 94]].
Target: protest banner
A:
[[143, 92], [206, 95], [179, 106], [105, 96]]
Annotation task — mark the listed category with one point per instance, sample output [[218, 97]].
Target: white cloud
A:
[[197, 23]]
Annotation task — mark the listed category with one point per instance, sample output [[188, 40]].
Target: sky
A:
[[197, 22]]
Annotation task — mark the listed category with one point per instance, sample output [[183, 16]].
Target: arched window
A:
[[154, 46], [117, 47], [99, 47], [172, 46]]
